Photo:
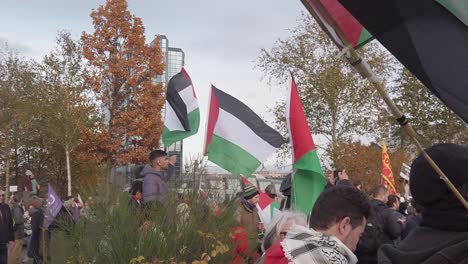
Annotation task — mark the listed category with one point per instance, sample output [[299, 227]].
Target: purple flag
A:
[[54, 204]]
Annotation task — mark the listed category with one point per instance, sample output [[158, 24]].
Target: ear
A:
[[345, 226]]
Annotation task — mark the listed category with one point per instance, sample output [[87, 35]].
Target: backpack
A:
[[374, 235]]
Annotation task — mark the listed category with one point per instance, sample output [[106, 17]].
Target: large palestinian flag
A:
[[182, 116], [429, 37], [237, 139], [308, 180]]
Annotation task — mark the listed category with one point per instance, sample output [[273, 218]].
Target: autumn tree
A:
[[432, 120], [364, 162], [124, 67], [67, 110], [15, 75], [338, 103]]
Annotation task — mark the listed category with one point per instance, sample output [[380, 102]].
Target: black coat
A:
[[37, 220], [427, 245], [17, 213], [391, 226], [6, 224]]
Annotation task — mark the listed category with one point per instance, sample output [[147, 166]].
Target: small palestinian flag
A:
[[237, 139], [182, 117], [308, 180]]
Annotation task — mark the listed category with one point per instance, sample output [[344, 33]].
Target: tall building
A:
[[174, 59]]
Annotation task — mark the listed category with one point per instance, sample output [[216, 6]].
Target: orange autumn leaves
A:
[[123, 70]]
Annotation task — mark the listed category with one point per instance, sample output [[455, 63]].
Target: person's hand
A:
[[173, 160], [401, 221], [343, 175]]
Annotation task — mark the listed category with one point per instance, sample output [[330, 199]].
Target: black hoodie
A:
[[427, 245]]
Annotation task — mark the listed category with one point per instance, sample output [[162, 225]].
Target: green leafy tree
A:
[[338, 103], [432, 120]]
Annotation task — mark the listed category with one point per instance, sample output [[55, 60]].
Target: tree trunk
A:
[[67, 155], [7, 175]]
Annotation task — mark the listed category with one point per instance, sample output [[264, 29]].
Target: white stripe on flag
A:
[[188, 98], [238, 133], [172, 122]]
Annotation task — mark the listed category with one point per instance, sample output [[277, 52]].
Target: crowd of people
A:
[[351, 225], [346, 225]]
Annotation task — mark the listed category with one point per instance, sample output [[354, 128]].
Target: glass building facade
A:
[[174, 59]]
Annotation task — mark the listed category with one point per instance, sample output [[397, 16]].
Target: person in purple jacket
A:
[[156, 176]]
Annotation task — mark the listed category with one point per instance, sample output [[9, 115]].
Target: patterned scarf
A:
[[303, 245]]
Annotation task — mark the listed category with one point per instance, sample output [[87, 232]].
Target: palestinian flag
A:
[[266, 205], [354, 32], [387, 174], [237, 139], [429, 37], [182, 113], [308, 180]]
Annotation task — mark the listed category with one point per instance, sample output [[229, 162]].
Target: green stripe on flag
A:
[[458, 8], [231, 157], [308, 182], [364, 38], [170, 137]]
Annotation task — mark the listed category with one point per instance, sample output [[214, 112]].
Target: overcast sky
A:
[[221, 40]]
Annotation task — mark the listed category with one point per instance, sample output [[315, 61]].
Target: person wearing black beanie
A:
[[442, 236]]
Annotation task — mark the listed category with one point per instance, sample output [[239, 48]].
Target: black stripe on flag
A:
[[177, 84], [249, 118]]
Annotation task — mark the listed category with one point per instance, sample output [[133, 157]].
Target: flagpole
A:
[[210, 91], [293, 171], [361, 66]]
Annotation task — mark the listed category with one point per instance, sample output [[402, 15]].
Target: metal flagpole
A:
[[361, 66]]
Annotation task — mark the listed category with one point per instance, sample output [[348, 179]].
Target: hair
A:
[[280, 218], [344, 183], [377, 190], [156, 154], [392, 199], [137, 186], [337, 203]]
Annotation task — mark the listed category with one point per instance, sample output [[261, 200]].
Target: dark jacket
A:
[[429, 246], [17, 213], [155, 185], [411, 223], [6, 224], [389, 217], [382, 228], [37, 221]]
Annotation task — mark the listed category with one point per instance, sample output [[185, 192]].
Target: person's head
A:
[[331, 177], [36, 202], [137, 189], [29, 174], [271, 191], [358, 185], [393, 202], [379, 192], [158, 160], [427, 187], [280, 224], [341, 212], [251, 194]]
